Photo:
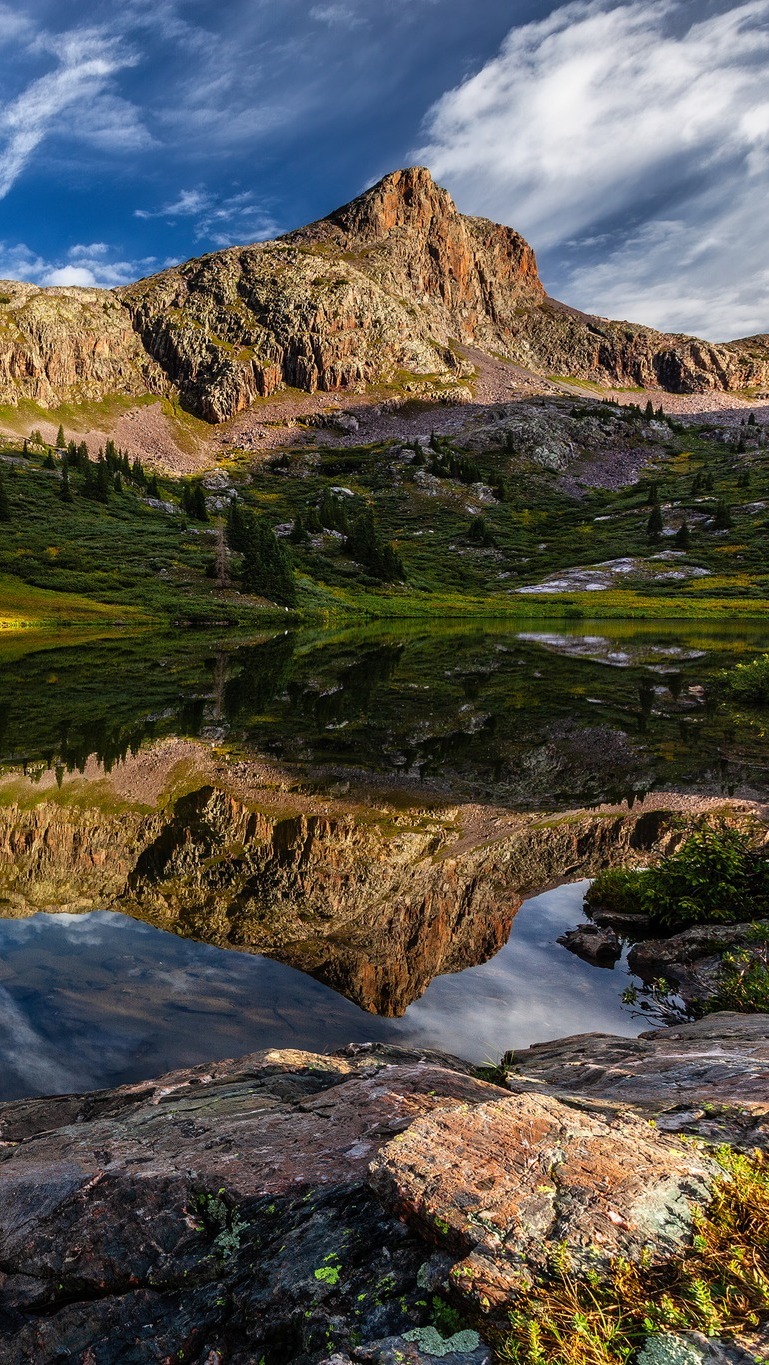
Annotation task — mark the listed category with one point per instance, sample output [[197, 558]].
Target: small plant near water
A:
[[720, 1284], [718, 876], [744, 983], [749, 682]]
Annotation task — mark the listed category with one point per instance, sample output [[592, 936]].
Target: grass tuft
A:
[[718, 1285]]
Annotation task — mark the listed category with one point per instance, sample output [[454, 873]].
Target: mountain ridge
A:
[[384, 290]]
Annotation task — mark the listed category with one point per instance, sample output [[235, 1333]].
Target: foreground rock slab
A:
[[304, 1208], [710, 1077]]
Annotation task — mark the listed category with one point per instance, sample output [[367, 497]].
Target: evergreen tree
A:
[[237, 537], [696, 485], [298, 532], [117, 483], [266, 567], [152, 487], [25, 447], [655, 523], [682, 538], [137, 473], [649, 410], [751, 419], [478, 532], [379, 557], [723, 517], [5, 506], [61, 439], [49, 462], [652, 495], [193, 500]]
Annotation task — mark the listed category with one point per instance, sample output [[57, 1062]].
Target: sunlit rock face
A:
[[386, 290], [254, 1207]]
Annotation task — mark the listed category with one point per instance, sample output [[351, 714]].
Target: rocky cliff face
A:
[[385, 288], [68, 344]]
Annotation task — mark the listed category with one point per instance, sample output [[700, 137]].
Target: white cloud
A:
[[70, 274], [602, 114], [336, 15], [222, 222], [87, 60], [83, 264]]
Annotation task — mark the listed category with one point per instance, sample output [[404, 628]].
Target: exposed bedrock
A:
[[389, 287], [298, 1208], [373, 907]]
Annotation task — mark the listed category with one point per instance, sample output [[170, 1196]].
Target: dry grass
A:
[[719, 1285]]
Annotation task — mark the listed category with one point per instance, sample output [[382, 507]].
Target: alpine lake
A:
[[545, 717]]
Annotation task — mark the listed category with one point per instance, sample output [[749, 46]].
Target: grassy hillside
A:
[[446, 527]]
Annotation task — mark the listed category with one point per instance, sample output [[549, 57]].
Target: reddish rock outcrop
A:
[[255, 1208], [388, 287]]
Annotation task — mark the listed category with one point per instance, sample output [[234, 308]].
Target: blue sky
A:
[[628, 142]]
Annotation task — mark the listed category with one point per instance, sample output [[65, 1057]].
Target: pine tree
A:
[[266, 567], [652, 496], [61, 439], [298, 532], [649, 410], [65, 492], [152, 487], [478, 532], [655, 523], [193, 500], [5, 506], [25, 447], [379, 557], [49, 462], [682, 539], [723, 517], [751, 419]]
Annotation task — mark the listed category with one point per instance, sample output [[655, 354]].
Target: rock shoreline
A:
[[293, 1207]]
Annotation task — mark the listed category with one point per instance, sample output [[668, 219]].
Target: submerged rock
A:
[[593, 943]]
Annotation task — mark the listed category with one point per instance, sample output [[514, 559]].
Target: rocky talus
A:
[[288, 1207], [386, 290]]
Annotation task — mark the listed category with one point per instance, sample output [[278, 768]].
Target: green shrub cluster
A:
[[718, 876], [749, 682]]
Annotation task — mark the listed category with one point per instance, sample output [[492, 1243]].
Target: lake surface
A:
[[543, 716], [96, 1000]]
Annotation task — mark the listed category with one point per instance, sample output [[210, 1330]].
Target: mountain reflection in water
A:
[[97, 1000], [547, 714]]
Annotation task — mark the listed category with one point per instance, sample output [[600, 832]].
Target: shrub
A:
[[744, 984], [749, 682], [717, 877]]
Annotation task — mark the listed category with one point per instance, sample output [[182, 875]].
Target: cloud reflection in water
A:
[[96, 1000]]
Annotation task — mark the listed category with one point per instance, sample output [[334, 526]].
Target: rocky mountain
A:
[[388, 290]]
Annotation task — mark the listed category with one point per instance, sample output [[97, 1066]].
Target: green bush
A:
[[744, 984], [749, 682], [718, 876]]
